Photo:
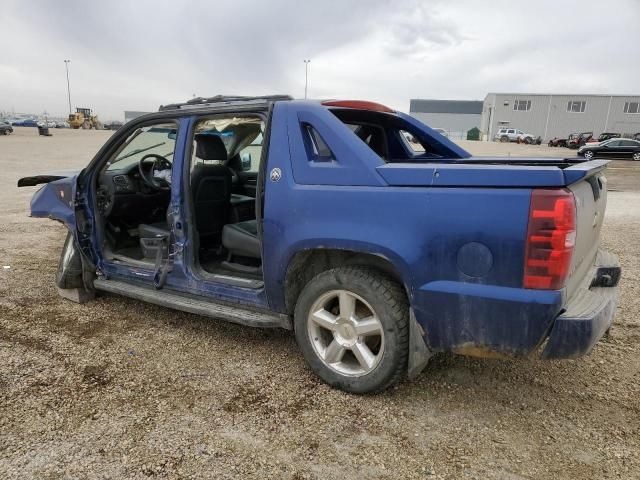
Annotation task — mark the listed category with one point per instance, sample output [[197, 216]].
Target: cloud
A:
[[138, 55]]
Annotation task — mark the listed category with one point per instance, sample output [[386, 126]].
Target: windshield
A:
[[159, 139]]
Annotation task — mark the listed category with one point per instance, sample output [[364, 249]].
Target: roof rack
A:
[[218, 99]]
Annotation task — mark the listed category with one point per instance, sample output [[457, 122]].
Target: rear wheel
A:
[[351, 324], [636, 156], [504, 139]]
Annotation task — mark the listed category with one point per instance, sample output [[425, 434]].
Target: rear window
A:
[[373, 135], [389, 136]]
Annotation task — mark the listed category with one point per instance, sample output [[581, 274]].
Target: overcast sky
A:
[[136, 55]]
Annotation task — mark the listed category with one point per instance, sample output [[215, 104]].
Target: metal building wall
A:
[[455, 124], [548, 116], [623, 122]]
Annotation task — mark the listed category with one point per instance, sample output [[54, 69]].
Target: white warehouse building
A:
[[558, 115]]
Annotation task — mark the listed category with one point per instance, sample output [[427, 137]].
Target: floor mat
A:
[[131, 252], [214, 265]]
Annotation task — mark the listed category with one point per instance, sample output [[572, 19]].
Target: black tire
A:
[[528, 140], [504, 139], [389, 303]]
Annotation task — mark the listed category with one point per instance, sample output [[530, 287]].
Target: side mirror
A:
[[245, 161]]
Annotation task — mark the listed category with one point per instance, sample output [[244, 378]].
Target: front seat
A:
[[242, 239], [210, 189]]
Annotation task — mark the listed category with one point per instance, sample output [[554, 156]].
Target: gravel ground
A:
[[120, 389]]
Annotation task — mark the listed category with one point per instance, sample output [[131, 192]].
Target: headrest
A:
[[210, 147]]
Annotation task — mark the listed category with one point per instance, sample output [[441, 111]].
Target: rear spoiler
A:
[[584, 170]]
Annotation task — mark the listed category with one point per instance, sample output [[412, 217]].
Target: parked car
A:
[[513, 135], [26, 123], [46, 123], [5, 128], [606, 136], [557, 142], [579, 139], [62, 124], [348, 236], [616, 147], [636, 136]]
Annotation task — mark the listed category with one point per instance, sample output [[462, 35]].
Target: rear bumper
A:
[[484, 320], [589, 313]]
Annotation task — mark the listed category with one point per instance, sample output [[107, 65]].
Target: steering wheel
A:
[[159, 163]]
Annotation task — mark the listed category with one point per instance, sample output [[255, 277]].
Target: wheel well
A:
[[307, 264]]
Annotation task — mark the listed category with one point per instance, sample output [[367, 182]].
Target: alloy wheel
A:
[[346, 333]]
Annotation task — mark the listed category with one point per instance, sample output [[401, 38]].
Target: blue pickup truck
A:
[[376, 239]]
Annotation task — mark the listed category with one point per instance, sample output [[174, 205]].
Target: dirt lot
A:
[[120, 389]]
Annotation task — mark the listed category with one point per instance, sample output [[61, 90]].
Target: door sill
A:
[[199, 306]]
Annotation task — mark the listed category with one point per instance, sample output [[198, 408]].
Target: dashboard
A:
[[123, 192]]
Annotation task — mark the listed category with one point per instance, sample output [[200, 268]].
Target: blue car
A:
[[25, 123], [377, 240]]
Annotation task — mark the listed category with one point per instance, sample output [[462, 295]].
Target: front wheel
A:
[[588, 154], [636, 156], [352, 325]]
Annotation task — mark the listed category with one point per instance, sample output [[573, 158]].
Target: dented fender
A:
[[55, 200]]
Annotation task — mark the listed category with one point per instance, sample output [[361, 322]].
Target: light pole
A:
[[66, 66], [306, 76]]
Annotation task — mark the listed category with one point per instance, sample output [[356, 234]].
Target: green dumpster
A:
[[473, 134]]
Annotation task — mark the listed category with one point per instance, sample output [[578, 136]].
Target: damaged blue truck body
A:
[[379, 241]]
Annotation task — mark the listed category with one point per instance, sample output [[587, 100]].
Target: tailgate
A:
[[591, 200]]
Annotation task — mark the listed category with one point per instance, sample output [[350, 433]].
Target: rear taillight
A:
[[551, 237]]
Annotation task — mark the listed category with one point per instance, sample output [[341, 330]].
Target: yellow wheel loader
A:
[[83, 118]]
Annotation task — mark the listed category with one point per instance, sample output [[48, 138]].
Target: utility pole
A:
[[306, 76], [66, 66]]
